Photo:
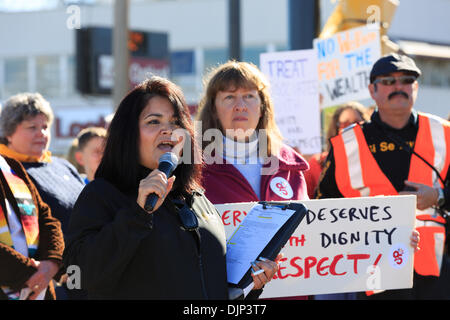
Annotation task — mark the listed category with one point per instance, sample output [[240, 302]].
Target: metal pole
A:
[[302, 23], [120, 51], [234, 29]]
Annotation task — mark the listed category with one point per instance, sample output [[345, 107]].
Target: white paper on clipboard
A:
[[251, 237]]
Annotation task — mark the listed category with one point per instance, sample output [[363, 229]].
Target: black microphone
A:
[[167, 164]]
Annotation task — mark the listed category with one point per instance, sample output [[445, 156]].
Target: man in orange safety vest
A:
[[399, 151]]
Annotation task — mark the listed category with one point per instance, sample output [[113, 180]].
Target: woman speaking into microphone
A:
[[175, 250]]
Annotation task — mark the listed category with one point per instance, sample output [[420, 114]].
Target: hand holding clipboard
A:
[[262, 233]]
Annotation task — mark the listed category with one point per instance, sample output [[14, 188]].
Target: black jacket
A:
[[125, 253]]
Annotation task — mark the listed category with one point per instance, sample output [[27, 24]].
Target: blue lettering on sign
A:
[[358, 59], [287, 68], [325, 48]]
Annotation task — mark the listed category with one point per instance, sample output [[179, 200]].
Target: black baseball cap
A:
[[393, 62]]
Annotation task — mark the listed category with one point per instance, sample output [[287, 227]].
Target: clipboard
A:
[[275, 245]]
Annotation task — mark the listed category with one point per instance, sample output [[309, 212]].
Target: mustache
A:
[[402, 93]]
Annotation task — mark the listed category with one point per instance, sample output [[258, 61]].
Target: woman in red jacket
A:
[[247, 160]]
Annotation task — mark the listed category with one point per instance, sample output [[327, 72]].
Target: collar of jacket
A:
[[413, 121], [288, 160]]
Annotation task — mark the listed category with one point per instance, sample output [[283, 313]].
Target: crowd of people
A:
[[90, 210]]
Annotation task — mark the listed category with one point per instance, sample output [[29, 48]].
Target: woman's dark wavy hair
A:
[[120, 163]]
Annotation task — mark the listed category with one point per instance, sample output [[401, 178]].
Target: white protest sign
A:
[[344, 64], [342, 245], [294, 91]]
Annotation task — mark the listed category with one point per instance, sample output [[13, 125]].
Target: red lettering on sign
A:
[[322, 267], [355, 258], [238, 216], [296, 266], [294, 241], [333, 265], [280, 268], [225, 217], [309, 263]]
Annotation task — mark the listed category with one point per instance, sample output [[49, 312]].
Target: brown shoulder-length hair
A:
[[233, 75], [333, 127], [120, 162]]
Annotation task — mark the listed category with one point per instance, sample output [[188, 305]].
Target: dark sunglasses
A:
[[389, 81], [187, 217]]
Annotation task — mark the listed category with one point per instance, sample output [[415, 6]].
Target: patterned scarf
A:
[[7, 152], [27, 212]]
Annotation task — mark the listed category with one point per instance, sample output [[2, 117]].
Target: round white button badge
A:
[[281, 188]]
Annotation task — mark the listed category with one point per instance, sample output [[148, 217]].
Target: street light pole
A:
[[302, 23], [120, 51], [234, 29]]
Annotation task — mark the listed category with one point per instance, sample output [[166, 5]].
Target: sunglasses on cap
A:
[[389, 81]]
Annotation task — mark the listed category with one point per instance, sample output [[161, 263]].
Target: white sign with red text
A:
[[342, 245]]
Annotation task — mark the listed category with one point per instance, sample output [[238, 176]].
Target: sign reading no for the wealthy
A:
[[342, 245], [344, 64]]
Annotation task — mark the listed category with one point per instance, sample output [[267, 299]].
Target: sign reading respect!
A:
[[342, 245]]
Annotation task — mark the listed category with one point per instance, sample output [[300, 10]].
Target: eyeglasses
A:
[[389, 81]]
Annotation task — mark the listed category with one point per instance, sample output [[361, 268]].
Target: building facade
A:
[[38, 49]]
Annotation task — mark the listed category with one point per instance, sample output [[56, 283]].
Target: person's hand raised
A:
[[156, 182]]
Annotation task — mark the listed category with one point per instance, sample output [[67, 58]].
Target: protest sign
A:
[[342, 245], [344, 64], [294, 91]]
